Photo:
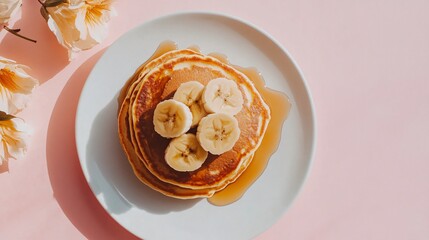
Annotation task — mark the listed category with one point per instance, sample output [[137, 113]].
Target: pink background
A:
[[367, 66]]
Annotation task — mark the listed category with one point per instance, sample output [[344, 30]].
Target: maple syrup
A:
[[164, 47], [279, 105], [194, 48]]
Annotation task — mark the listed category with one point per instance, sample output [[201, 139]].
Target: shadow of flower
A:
[[46, 57], [4, 167]]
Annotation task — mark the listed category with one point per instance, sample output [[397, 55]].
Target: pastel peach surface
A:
[[366, 65]]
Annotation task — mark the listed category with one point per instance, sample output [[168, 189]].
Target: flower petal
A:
[[8, 9], [15, 86], [80, 25], [13, 136]]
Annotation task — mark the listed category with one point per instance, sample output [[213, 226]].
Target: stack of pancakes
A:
[[157, 80]]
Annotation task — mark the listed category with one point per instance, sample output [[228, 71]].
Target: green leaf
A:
[[4, 116]]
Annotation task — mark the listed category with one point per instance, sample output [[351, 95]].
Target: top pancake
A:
[[159, 83], [126, 134]]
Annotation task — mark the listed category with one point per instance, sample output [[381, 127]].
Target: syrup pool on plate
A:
[[279, 105]]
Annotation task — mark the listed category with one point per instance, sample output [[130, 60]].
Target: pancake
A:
[[160, 83], [157, 80], [142, 71], [125, 134]]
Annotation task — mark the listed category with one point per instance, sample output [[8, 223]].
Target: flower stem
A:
[[15, 32]]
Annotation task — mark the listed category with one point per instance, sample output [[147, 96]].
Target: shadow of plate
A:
[[69, 186], [112, 175]]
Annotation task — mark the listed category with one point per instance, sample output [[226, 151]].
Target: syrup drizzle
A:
[[279, 105], [164, 47]]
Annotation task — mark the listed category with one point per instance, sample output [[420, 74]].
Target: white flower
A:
[[80, 25], [15, 86], [13, 137], [8, 8]]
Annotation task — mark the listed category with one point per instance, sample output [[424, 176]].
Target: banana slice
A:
[[218, 132], [185, 154], [172, 118], [190, 93], [222, 95]]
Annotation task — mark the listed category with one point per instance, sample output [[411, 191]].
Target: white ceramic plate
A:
[[151, 215]]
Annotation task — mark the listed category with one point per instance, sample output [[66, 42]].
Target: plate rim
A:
[[312, 111]]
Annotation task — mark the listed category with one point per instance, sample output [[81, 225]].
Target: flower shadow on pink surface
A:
[[68, 183], [46, 57], [4, 167]]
